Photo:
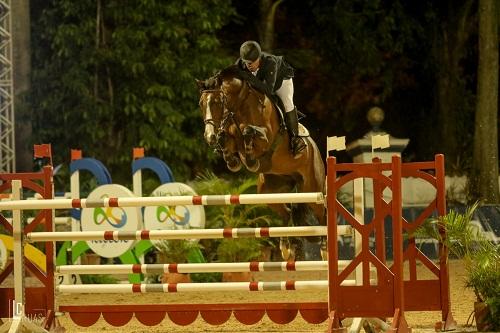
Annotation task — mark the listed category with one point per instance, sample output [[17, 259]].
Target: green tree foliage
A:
[[110, 75], [366, 50], [414, 59], [451, 25]]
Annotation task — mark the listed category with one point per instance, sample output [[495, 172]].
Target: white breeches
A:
[[285, 93]]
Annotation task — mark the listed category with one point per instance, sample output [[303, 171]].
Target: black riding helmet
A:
[[250, 51]]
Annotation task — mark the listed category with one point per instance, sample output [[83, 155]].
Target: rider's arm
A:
[[256, 83], [239, 64], [270, 70]]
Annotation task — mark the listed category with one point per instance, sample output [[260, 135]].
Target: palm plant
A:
[[234, 216], [176, 250], [481, 258]]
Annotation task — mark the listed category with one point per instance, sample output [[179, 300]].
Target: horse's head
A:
[[212, 107], [231, 82]]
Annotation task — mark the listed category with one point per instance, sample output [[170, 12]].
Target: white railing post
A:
[[19, 270]]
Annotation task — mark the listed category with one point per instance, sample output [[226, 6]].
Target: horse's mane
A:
[[234, 71], [215, 81], [230, 72], [211, 83]]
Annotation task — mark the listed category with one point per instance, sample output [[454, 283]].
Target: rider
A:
[[276, 75]]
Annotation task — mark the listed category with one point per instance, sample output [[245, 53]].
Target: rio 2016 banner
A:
[[111, 219], [173, 217], [131, 219]]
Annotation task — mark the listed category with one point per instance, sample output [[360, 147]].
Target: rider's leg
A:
[[285, 93], [292, 124]]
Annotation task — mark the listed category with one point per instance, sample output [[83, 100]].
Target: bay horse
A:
[[244, 124]]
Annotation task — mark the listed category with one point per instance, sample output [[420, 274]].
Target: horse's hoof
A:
[[292, 254], [234, 165], [324, 255], [287, 251], [288, 254], [253, 166]]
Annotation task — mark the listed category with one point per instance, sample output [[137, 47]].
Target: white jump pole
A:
[[283, 266], [19, 270], [184, 234], [206, 200], [193, 287], [289, 285]]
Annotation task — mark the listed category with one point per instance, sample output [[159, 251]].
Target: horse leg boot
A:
[[251, 162], [292, 124]]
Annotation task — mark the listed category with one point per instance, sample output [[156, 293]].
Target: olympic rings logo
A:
[[114, 216], [166, 213]]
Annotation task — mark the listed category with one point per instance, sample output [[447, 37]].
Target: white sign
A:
[[335, 143], [380, 141], [173, 217], [111, 219]]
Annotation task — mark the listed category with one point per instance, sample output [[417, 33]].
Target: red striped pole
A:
[[303, 231], [255, 266], [206, 200], [197, 287]]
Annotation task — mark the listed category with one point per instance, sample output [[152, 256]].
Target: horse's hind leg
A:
[[286, 248], [306, 247], [314, 181]]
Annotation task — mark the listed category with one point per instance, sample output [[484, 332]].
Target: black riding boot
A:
[[292, 124]]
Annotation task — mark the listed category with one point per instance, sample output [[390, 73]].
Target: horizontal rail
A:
[[303, 231], [195, 287], [254, 266], [205, 200]]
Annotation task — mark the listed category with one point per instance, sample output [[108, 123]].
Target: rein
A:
[[281, 131], [229, 116]]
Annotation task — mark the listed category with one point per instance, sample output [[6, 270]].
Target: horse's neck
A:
[[262, 109]]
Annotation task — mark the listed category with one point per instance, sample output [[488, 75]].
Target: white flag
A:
[[335, 143], [380, 141]]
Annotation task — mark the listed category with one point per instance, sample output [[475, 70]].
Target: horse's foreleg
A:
[[324, 248], [228, 147], [251, 162], [233, 161], [248, 139]]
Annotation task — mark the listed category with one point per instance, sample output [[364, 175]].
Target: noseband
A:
[[228, 116]]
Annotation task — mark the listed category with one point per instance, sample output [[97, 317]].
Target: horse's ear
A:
[[200, 84]]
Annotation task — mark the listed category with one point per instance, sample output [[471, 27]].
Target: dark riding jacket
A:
[[272, 71]]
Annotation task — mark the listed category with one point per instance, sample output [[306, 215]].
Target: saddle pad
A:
[[303, 131]]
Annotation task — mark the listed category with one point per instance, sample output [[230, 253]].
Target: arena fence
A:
[[389, 294]]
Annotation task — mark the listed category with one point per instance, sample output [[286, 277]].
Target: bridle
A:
[[228, 116], [210, 121]]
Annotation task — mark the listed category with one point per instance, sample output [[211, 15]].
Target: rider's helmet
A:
[[250, 51]]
